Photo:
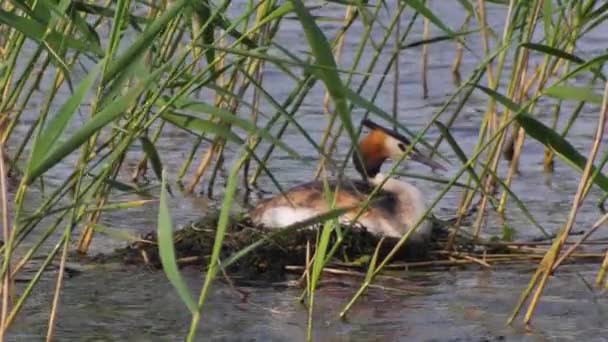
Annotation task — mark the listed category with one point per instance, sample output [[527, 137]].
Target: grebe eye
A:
[[401, 146]]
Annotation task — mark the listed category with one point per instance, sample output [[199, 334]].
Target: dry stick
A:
[[87, 235], [6, 284], [425, 58], [243, 294], [202, 167], [306, 274], [473, 259], [602, 273], [64, 256], [340, 271], [546, 264], [563, 257]]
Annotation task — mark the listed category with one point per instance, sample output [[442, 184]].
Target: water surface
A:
[[120, 303]]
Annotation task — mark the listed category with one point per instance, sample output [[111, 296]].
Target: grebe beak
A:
[[426, 160]]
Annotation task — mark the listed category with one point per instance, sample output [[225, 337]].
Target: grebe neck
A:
[[390, 184]]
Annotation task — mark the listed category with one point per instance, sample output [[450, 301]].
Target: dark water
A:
[[114, 303]]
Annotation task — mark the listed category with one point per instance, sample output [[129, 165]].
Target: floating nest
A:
[[274, 249], [272, 253]]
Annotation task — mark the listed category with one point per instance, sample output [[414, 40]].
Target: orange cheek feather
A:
[[372, 147]]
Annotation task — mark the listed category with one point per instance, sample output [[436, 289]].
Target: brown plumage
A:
[[350, 194]]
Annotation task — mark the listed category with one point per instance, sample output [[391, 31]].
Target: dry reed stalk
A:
[[512, 150], [475, 260], [217, 167], [56, 295], [352, 273], [518, 138], [430, 263], [140, 169], [602, 273], [481, 6], [7, 89], [425, 58], [7, 281], [4, 125], [570, 250], [192, 260], [212, 150], [546, 265], [87, 235], [305, 276], [524, 296], [548, 161], [459, 53], [396, 70]]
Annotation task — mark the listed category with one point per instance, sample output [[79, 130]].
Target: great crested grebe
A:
[[393, 211]]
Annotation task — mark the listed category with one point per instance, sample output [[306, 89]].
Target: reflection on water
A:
[[458, 305]]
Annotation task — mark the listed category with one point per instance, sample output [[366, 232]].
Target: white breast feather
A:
[[411, 208], [279, 217]]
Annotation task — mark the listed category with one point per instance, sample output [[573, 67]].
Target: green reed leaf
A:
[[201, 16], [222, 226], [201, 127], [573, 93], [48, 137], [52, 40], [547, 16], [166, 251], [466, 4], [277, 13], [550, 50], [325, 57]]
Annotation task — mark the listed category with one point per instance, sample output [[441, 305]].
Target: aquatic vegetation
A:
[[86, 85]]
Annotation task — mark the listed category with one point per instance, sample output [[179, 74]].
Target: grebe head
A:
[[382, 143]]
